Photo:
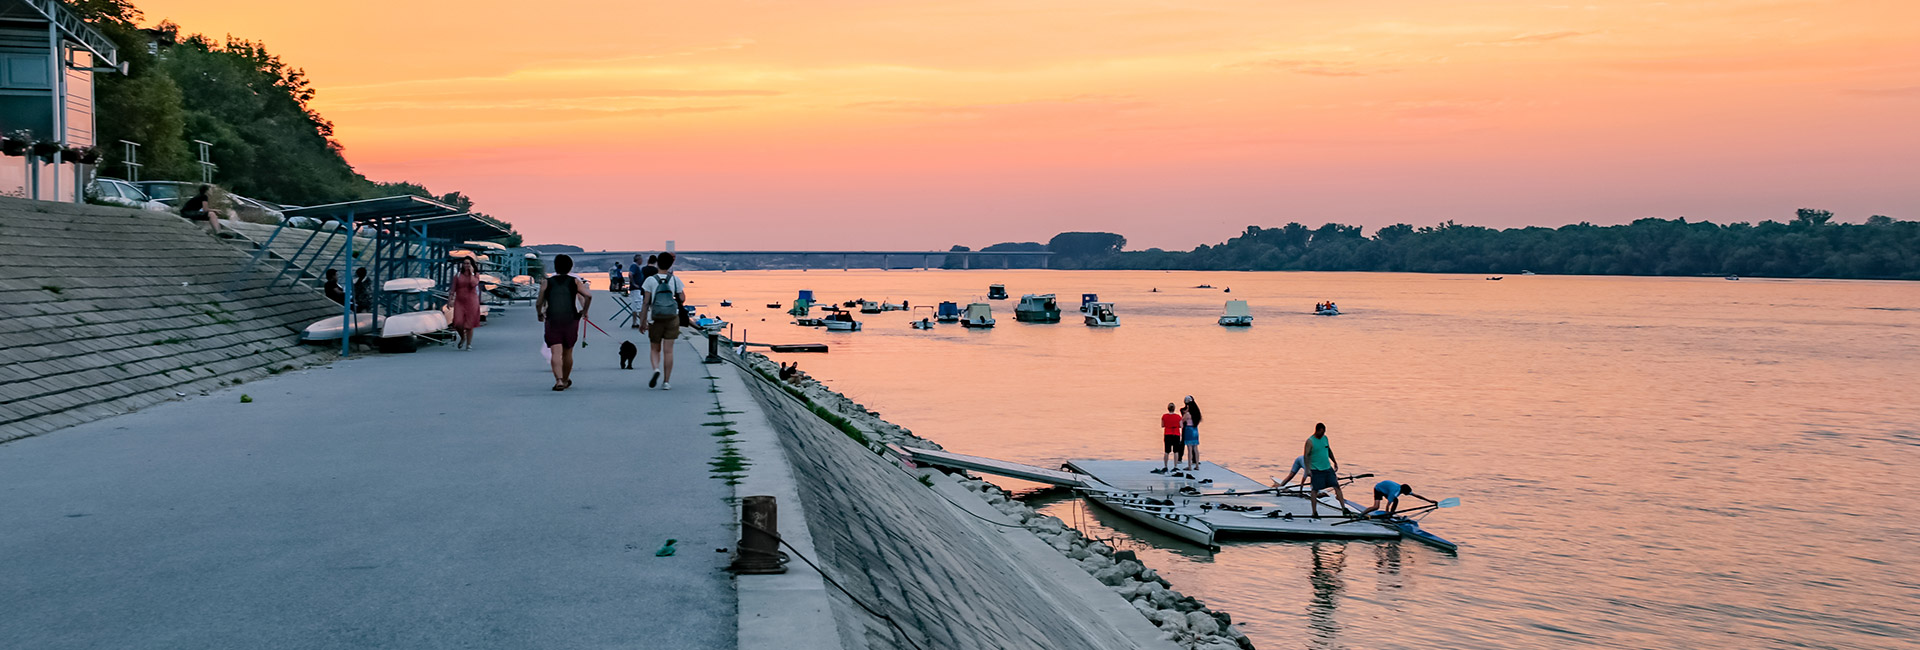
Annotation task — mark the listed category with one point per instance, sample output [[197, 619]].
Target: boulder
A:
[[1101, 548], [1201, 623], [1149, 574], [1216, 645], [1132, 567], [1144, 608], [1127, 589], [1110, 576], [1170, 620], [1121, 556], [1163, 599], [1079, 553]]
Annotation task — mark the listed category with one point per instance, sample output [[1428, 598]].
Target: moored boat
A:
[[1037, 308], [979, 315], [1159, 514], [328, 329], [949, 313], [1100, 314], [841, 322], [996, 292], [1237, 314]]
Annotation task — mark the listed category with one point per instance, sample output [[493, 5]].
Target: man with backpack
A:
[[661, 298]]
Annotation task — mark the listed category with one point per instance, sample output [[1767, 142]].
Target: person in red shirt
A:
[[1170, 424]]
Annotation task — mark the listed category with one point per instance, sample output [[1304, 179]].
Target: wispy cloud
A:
[[1316, 68], [1533, 38], [1909, 91]]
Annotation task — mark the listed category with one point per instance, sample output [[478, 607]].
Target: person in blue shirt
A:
[[1389, 492]]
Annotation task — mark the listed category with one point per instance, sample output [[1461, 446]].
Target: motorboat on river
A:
[[996, 292], [841, 322], [949, 312], [1037, 308], [1099, 314], [979, 316], [1237, 314]]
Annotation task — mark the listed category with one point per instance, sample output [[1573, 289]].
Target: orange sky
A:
[[878, 123]]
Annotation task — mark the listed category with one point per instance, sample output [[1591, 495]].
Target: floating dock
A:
[[1232, 504]]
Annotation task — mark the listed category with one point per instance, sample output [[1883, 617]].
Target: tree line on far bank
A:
[[1811, 245], [267, 141]]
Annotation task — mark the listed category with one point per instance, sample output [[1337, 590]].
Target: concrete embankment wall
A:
[[104, 310], [914, 557]]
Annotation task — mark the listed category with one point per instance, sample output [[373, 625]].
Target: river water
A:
[[1643, 462]]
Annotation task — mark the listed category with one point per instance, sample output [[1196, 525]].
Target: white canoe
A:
[[407, 285], [414, 322], [328, 329], [1163, 518]]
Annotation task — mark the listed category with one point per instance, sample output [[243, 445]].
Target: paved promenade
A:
[[434, 500]]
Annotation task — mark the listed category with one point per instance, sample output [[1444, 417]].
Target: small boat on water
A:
[[949, 313], [810, 322], [1528, 273], [841, 322], [1237, 314], [923, 324], [1100, 314], [328, 329], [1733, 277], [979, 315], [869, 307], [996, 292], [773, 305], [893, 306], [1497, 277], [726, 303], [1329, 310], [1037, 308], [801, 306]]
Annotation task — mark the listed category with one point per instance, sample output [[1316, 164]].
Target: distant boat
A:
[[923, 324], [1100, 314], [1733, 277], [1497, 277], [801, 306], [810, 322], [978, 315], [726, 303], [870, 307], [773, 305], [1037, 308], [1528, 273], [841, 322], [996, 292], [949, 313], [1236, 314], [1329, 310]]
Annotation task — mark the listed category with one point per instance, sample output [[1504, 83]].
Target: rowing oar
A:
[[1448, 502], [1279, 490]]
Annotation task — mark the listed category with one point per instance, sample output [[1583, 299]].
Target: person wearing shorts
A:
[[662, 330], [1323, 470], [1170, 424], [1389, 493], [1299, 469]]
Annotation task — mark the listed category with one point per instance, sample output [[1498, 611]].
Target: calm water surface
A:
[[1645, 462]]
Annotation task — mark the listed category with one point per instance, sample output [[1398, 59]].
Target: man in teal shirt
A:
[[1323, 470]]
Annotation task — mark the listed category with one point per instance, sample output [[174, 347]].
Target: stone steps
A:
[[105, 310]]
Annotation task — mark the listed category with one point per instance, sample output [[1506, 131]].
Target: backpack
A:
[[663, 305]]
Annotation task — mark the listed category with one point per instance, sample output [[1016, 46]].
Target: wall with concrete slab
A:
[[104, 310], [944, 577]]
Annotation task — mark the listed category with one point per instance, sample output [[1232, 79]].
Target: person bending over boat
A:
[[1390, 493], [1299, 469], [1170, 426], [1323, 470], [1191, 434]]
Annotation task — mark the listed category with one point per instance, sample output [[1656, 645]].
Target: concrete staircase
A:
[[105, 310]]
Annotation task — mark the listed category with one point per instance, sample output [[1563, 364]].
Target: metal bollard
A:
[[713, 348], [759, 548]]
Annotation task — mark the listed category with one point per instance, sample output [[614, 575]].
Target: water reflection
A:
[[1328, 559]]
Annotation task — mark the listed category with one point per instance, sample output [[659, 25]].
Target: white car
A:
[[113, 191]]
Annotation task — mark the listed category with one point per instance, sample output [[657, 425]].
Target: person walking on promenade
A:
[[198, 208], [641, 271], [466, 303], [1323, 470], [332, 288], [1171, 424], [661, 297], [1190, 434], [362, 291], [562, 305]]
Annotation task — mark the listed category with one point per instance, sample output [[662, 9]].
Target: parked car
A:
[[172, 193], [113, 191]]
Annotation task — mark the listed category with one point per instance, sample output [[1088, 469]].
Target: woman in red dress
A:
[[466, 302]]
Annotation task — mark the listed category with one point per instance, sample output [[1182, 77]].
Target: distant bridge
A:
[[926, 258]]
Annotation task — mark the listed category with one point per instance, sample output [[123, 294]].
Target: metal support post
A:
[[759, 548], [713, 348]]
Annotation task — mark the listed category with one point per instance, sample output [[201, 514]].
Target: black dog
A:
[[627, 353]]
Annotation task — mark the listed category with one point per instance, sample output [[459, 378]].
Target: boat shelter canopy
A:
[[441, 221]]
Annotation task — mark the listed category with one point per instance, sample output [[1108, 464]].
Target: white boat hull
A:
[[414, 323], [842, 326], [1236, 321], [328, 329], [1161, 518]]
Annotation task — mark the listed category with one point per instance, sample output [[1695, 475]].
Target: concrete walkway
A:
[[432, 500]]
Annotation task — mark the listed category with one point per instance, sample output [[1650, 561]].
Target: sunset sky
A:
[[862, 124]]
